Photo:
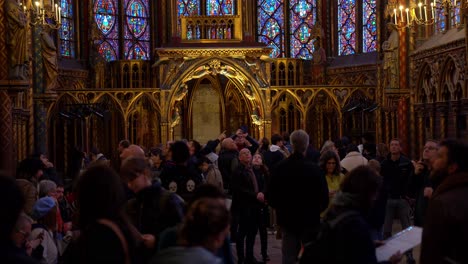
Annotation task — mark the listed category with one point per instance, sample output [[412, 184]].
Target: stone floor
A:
[[274, 248]]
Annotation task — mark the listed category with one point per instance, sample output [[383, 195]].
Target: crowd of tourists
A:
[[188, 202]]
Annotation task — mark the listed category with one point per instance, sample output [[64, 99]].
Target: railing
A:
[[130, 74], [211, 28], [287, 72]]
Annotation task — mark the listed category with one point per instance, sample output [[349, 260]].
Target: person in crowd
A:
[[132, 151], [47, 188], [153, 209], [246, 201], [180, 176], [64, 205], [382, 152], [169, 238], [11, 202], [202, 234], [445, 232], [123, 144], [286, 142], [327, 146], [298, 191], [24, 244], [421, 183], [27, 177], [330, 165], [262, 175], [156, 160], [352, 238], [228, 162], [243, 140], [397, 171], [312, 154], [97, 157], [45, 213], [352, 159], [344, 142], [264, 146], [211, 173], [376, 216], [106, 235], [275, 154], [369, 150]]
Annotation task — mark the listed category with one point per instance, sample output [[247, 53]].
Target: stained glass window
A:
[[302, 19], [456, 15], [440, 17], [369, 22], [136, 33], [67, 30], [219, 7], [271, 25], [346, 27], [188, 8], [106, 17]]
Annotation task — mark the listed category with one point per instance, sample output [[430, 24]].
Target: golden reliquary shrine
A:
[[78, 74]]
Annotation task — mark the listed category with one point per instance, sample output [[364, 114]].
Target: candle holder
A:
[[44, 15], [422, 13]]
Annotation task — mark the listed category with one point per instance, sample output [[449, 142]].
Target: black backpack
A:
[[320, 248]]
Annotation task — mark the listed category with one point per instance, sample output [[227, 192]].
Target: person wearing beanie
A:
[[45, 213]]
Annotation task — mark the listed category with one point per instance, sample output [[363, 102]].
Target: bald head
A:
[[132, 151], [228, 144]]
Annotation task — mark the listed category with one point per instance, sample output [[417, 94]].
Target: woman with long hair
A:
[[330, 165], [106, 235]]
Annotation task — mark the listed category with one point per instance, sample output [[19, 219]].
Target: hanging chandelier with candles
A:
[[422, 13]]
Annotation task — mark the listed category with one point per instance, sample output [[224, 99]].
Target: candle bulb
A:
[[60, 15], [433, 13], [425, 13], [420, 10], [37, 7], [401, 14], [394, 12], [56, 13], [407, 16]]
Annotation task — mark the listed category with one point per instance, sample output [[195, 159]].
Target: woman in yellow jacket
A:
[[330, 165]]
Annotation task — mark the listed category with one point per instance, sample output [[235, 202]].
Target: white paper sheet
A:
[[402, 241]]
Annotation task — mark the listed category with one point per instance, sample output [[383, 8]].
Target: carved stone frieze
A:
[[358, 75], [73, 79]]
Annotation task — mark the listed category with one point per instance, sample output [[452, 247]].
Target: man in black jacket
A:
[[298, 191], [397, 171]]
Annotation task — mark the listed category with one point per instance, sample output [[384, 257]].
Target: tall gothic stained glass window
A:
[[302, 19], [219, 7], [346, 27], [271, 25], [136, 32], [106, 17], [369, 22], [67, 30]]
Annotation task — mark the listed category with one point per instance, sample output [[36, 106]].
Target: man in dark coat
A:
[[298, 191], [445, 234]]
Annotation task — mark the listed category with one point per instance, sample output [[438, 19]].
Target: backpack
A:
[[321, 247]]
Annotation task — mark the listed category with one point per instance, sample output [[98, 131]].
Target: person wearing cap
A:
[[45, 213]]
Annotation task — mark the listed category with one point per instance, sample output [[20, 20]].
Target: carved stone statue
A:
[[49, 59], [390, 49], [17, 40], [319, 58]]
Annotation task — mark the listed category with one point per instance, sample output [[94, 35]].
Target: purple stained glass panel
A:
[[346, 27], [302, 19], [440, 18], [219, 7], [136, 33], [271, 25], [369, 21], [105, 16]]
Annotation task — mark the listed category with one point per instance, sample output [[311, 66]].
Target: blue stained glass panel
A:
[[303, 16], [105, 16], [440, 17], [369, 21], [346, 27], [219, 7], [271, 25], [188, 8], [67, 29]]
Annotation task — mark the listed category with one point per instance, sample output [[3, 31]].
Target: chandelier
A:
[[43, 14], [422, 13]]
